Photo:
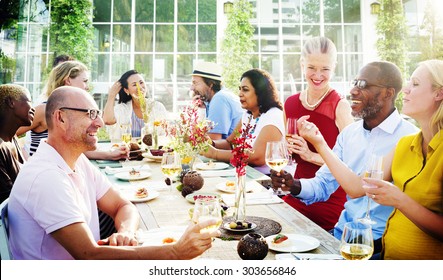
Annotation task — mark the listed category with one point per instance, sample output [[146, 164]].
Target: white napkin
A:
[[253, 198], [218, 173], [113, 170]]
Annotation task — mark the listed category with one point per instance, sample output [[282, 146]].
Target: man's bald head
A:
[[65, 96]]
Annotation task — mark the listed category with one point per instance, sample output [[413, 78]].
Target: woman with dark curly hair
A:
[[259, 96]]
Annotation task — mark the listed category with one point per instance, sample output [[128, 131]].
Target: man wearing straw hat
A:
[[222, 106]]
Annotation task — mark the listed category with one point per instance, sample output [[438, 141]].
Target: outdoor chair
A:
[[5, 252]]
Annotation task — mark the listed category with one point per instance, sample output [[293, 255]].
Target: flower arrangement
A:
[[188, 133], [145, 109], [241, 145]]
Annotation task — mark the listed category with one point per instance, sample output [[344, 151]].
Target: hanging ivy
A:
[[71, 29], [237, 45]]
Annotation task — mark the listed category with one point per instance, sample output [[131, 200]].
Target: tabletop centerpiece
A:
[[241, 147], [149, 133], [188, 134]]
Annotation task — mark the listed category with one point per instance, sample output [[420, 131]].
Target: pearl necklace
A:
[[318, 101]]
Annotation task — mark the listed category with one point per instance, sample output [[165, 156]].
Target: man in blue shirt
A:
[[377, 132], [222, 106]]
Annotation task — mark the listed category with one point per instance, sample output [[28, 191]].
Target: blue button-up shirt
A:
[[354, 146]]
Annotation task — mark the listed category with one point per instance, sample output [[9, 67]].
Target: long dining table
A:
[[169, 213]]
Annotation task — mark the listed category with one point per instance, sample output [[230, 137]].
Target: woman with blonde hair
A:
[[69, 73]]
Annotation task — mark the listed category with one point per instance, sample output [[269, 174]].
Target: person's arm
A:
[[350, 182], [38, 122], [221, 149], [215, 136], [122, 152], [77, 239], [343, 116], [388, 194], [108, 111]]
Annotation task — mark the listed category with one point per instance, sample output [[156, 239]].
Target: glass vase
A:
[[240, 199], [188, 161]]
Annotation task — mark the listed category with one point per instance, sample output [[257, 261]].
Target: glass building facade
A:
[[163, 39]]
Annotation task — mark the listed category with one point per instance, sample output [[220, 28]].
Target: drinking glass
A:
[[356, 241], [126, 135], [171, 168], [277, 158], [207, 209], [291, 129], [374, 169]]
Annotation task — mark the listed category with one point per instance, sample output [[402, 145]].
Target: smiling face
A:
[[24, 110], [318, 69], [132, 85], [419, 101], [248, 97], [368, 102], [200, 88]]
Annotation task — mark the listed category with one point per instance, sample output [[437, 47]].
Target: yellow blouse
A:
[[422, 181]]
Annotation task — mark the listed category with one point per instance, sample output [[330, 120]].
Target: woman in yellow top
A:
[[415, 228]]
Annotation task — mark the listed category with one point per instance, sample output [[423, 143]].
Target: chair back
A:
[[5, 252]]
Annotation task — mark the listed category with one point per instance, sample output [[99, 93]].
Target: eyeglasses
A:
[[362, 84], [93, 113]]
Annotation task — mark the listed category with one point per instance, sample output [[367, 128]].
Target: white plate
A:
[[127, 177], [190, 197], [213, 166], [295, 243], [226, 226], [222, 187], [154, 158], [130, 194], [307, 256], [155, 237]]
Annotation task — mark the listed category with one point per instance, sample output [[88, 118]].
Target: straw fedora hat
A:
[[209, 70]]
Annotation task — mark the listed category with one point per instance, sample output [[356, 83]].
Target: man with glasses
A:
[[377, 132], [55, 199]]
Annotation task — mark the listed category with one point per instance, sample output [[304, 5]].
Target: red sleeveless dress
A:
[[326, 213]]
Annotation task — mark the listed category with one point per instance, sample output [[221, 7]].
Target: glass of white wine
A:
[[277, 158], [171, 168], [207, 209], [356, 241], [126, 135], [374, 170]]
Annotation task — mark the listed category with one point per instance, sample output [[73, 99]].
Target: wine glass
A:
[[171, 167], [374, 170], [291, 129], [277, 158], [207, 209], [356, 241], [126, 135]]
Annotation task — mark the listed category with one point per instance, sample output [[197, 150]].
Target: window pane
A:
[[186, 38], [163, 93], [186, 11], [351, 11], [353, 39], [291, 68], [163, 68], [144, 10], [165, 11], [310, 31], [21, 37], [144, 38], [332, 11], [291, 39], [185, 67], [101, 68], [35, 36], [122, 10], [334, 33], [122, 38], [34, 68], [208, 57], [291, 11], [207, 11], [102, 11], [120, 64], [143, 64], [339, 75], [271, 63], [269, 42], [311, 11], [207, 38], [164, 38], [353, 62], [101, 37]]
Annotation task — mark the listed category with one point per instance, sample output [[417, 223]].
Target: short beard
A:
[[371, 110]]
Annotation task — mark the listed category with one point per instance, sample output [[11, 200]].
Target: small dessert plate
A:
[[226, 226], [125, 176]]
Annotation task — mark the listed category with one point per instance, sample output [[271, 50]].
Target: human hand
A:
[[126, 238], [120, 152], [114, 90], [383, 192], [210, 153], [298, 145], [282, 179], [309, 131], [193, 243]]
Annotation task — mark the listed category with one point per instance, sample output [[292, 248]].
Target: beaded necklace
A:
[[256, 121], [318, 101]]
